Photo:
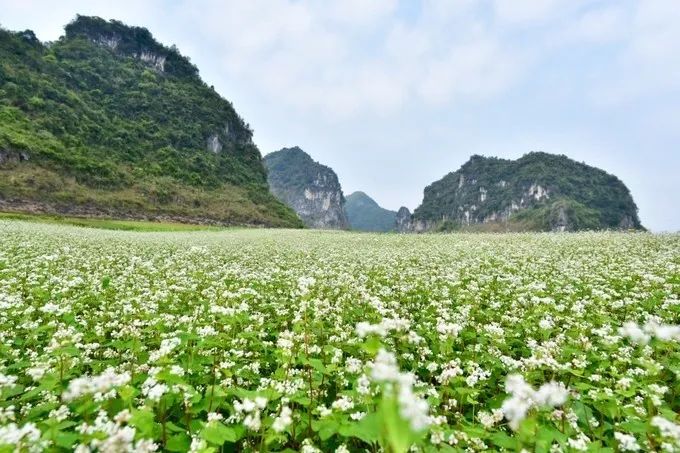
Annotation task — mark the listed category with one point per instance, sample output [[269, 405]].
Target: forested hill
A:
[[538, 191], [108, 121], [364, 214]]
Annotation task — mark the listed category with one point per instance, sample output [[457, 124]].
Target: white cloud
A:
[[343, 76], [476, 70], [602, 25], [648, 63], [527, 12]]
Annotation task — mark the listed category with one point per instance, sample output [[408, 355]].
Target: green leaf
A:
[[143, 421], [217, 433], [366, 429], [326, 427], [65, 439], [178, 442], [398, 431], [503, 440]]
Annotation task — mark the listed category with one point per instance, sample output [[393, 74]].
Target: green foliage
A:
[[298, 340], [549, 215], [106, 224], [364, 214], [293, 169], [595, 198], [114, 110]]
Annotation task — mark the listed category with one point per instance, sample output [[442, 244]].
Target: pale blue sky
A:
[[394, 94]]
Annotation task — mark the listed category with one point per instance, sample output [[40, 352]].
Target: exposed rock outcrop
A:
[[134, 42], [311, 189], [403, 220], [539, 191], [8, 156]]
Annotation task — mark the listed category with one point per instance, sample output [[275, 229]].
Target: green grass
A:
[[108, 224]]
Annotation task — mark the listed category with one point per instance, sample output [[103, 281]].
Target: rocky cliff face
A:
[[403, 220], [539, 191], [311, 189]]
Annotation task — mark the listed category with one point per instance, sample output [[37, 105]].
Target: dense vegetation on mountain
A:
[[364, 214], [311, 189], [108, 121], [539, 191]]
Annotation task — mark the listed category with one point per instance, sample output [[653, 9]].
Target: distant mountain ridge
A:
[[311, 189], [537, 192], [364, 214], [107, 121]]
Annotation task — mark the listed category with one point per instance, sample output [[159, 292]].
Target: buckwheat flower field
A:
[[270, 340]]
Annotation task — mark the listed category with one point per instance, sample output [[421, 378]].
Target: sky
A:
[[394, 94]]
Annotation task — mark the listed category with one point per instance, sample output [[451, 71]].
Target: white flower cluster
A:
[[153, 389], [524, 397], [7, 381], [489, 419], [284, 419], [411, 407], [304, 283], [447, 329], [113, 435], [344, 403], [642, 335], [381, 329], [626, 442], [24, 438], [251, 409], [95, 385], [167, 345], [668, 429]]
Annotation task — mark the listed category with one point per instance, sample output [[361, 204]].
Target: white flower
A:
[[252, 421], [448, 329], [664, 332], [344, 403], [38, 371], [363, 329], [304, 283], [100, 384], [214, 417], [524, 397], [412, 408], [167, 346], [11, 434], [551, 394], [667, 428], [260, 402], [60, 414], [626, 442], [353, 365], [154, 390], [634, 333], [546, 323], [7, 381], [363, 385], [357, 415], [580, 443], [283, 420], [197, 445]]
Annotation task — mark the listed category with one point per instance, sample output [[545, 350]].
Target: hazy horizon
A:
[[395, 94]]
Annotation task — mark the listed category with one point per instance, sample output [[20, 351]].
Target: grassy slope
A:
[[106, 224], [104, 130]]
